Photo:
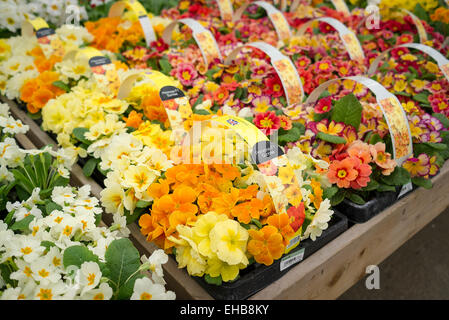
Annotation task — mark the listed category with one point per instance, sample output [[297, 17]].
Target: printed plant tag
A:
[[226, 11], [203, 37], [392, 110], [291, 259], [48, 40], [341, 6], [405, 189], [291, 81], [277, 18], [349, 39], [135, 6]]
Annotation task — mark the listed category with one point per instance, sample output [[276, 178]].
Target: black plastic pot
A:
[[357, 213], [256, 276]]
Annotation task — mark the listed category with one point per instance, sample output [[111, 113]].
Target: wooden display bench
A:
[[326, 274]]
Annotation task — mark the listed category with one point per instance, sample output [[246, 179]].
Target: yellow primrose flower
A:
[[187, 254], [210, 87], [431, 67], [400, 85], [216, 267], [184, 5], [409, 57], [229, 239], [201, 231]]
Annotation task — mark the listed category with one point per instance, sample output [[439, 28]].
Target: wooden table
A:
[[326, 274]]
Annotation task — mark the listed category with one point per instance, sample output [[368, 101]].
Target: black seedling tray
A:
[[357, 213], [257, 276]]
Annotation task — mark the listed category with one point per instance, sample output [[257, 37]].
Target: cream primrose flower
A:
[[112, 199], [139, 177], [145, 289], [320, 221]]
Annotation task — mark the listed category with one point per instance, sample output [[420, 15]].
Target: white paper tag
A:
[[292, 259], [147, 28], [405, 189]]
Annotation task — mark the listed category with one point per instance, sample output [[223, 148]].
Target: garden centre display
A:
[[239, 137]]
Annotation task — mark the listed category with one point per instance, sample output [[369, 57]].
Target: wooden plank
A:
[[177, 279], [335, 268]]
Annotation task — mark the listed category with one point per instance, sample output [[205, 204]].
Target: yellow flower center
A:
[[43, 273], [342, 173], [27, 271], [67, 231], [99, 296], [145, 296], [266, 123], [91, 279], [45, 294], [186, 75], [26, 250], [56, 261]]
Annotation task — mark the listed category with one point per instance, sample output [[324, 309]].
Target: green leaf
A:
[[444, 120], [356, 199], [122, 263], [61, 85], [386, 188], [79, 134], [422, 182], [372, 185], [5, 271], [201, 111], [22, 225], [421, 13], [143, 204], [365, 37], [421, 97], [291, 135], [198, 101], [328, 193], [89, 167], [436, 146], [50, 206], [213, 280], [398, 177], [257, 223], [77, 255], [166, 67], [375, 138], [330, 138], [348, 110], [338, 197], [47, 244]]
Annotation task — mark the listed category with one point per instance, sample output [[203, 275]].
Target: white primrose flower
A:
[[119, 225], [145, 289], [63, 195], [104, 292], [90, 276], [154, 263], [28, 249]]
